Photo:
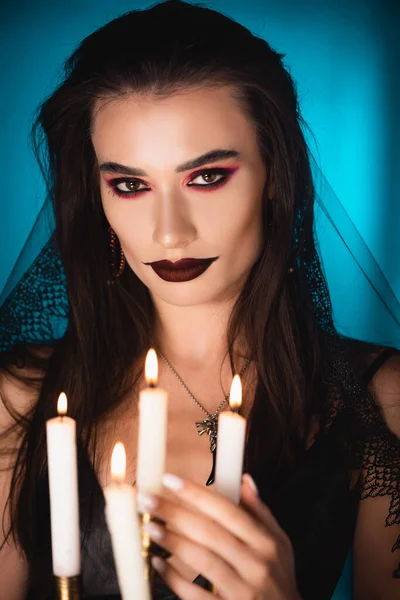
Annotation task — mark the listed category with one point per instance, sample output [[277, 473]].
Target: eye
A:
[[127, 187], [210, 177]]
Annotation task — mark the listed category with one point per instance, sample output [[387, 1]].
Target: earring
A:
[[117, 256]]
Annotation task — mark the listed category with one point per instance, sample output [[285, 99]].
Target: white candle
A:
[[123, 524], [230, 446], [63, 489], [153, 405]]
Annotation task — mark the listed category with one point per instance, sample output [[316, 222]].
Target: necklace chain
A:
[[211, 416], [208, 426]]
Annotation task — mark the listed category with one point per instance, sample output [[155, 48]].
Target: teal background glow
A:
[[344, 56]]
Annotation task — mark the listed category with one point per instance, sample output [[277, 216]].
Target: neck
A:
[[194, 341], [194, 335]]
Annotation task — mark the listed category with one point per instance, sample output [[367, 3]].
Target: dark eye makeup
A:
[[128, 187]]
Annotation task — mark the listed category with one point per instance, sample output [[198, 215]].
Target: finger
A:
[[224, 511], [198, 528], [205, 561], [182, 588]]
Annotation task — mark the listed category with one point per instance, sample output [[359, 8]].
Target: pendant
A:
[[210, 427], [211, 476]]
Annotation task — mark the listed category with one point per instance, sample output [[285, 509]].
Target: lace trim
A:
[[371, 445], [36, 312]]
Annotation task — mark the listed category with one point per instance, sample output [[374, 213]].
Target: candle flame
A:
[[151, 367], [235, 396], [62, 404], [118, 462]]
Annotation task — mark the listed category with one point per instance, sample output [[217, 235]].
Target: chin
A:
[[187, 297], [199, 291]]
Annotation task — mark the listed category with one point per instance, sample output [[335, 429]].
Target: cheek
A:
[[246, 234], [240, 220], [129, 223], [246, 239]]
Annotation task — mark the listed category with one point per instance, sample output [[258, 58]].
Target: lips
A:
[[185, 269]]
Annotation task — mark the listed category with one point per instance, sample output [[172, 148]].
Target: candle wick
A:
[[152, 385]]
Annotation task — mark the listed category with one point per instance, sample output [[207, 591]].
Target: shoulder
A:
[[21, 376], [373, 558], [363, 355], [385, 389], [380, 367]]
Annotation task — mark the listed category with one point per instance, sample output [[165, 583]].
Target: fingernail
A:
[[173, 482], [158, 564], [248, 478], [154, 530], [146, 501]]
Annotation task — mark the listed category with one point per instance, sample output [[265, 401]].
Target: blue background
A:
[[344, 56]]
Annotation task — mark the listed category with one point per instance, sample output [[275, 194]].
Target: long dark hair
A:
[[171, 46]]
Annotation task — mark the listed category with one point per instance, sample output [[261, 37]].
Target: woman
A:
[[183, 201]]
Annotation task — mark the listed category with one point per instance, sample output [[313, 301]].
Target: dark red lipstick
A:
[[181, 270]]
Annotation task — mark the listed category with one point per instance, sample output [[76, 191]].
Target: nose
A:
[[173, 225]]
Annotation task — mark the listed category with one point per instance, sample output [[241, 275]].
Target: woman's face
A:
[[167, 200]]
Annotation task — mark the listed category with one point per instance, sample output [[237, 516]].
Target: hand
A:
[[240, 549]]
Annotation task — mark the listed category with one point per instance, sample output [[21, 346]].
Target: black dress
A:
[[315, 506]]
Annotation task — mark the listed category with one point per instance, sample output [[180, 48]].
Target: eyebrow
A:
[[204, 159]]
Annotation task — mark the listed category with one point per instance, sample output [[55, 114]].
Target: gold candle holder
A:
[[67, 588], [149, 571]]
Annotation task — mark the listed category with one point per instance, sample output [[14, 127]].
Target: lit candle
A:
[[63, 489], [230, 446], [123, 524], [153, 405]]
